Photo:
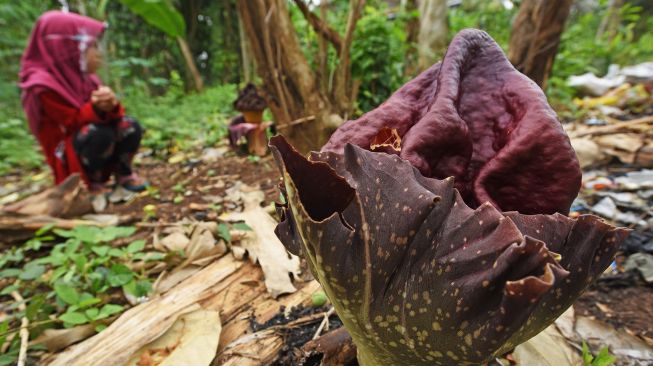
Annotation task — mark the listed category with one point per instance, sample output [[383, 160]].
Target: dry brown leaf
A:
[[588, 152], [174, 277], [57, 339], [263, 245], [192, 340], [623, 345], [68, 199], [549, 348], [145, 323], [175, 241], [622, 145], [604, 308], [566, 323]]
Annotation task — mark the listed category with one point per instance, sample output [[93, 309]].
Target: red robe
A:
[[58, 126]]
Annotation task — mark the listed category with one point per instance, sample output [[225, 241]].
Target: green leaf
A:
[[223, 232], [111, 233], [87, 234], [74, 318], [161, 14], [604, 358], [9, 272], [154, 256], [110, 309], [242, 226], [9, 289], [100, 327], [101, 250], [119, 275], [60, 271], [136, 246], [9, 358], [34, 306], [115, 252], [31, 271], [66, 293], [86, 300], [43, 230], [138, 288], [587, 355], [92, 313], [80, 262]]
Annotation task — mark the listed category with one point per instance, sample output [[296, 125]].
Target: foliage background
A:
[[147, 70]]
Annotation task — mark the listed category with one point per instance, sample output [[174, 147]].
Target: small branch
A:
[[325, 323], [320, 26], [24, 332], [297, 122], [343, 71], [604, 130]]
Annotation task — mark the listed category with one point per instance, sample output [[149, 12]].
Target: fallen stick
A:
[[296, 122], [619, 125], [334, 348], [24, 332], [264, 344], [325, 323]]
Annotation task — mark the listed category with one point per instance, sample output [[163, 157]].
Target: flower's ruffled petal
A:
[[414, 273], [476, 118]]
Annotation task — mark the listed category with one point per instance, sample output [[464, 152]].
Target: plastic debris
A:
[[608, 209], [642, 263]]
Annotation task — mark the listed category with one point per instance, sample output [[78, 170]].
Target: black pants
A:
[[108, 148]]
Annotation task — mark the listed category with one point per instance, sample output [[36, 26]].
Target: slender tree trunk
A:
[[412, 32], [610, 23], [342, 83], [190, 63], [433, 30], [302, 110], [245, 54], [323, 54], [289, 82], [536, 35]]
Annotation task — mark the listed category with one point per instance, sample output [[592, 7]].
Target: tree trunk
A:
[[323, 54], [190, 63], [302, 110], [245, 54], [536, 35], [433, 29], [290, 85]]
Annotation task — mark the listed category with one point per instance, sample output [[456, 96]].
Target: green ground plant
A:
[[603, 358], [73, 277]]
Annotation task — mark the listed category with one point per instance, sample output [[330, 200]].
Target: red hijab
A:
[[54, 59]]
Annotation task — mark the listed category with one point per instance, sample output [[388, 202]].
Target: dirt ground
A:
[[199, 184], [194, 189], [623, 301]]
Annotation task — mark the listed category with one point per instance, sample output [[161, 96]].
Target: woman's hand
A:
[[104, 99]]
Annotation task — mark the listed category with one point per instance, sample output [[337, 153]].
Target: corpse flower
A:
[[433, 222]]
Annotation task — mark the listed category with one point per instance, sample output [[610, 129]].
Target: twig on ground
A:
[[603, 130], [24, 332], [324, 324]]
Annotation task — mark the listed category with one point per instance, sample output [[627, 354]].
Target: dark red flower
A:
[[416, 275]]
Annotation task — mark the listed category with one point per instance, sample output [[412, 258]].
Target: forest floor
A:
[[194, 187]]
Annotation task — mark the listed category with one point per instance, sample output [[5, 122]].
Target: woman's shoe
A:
[[133, 183]]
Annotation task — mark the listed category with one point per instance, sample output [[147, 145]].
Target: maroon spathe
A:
[[476, 118]]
